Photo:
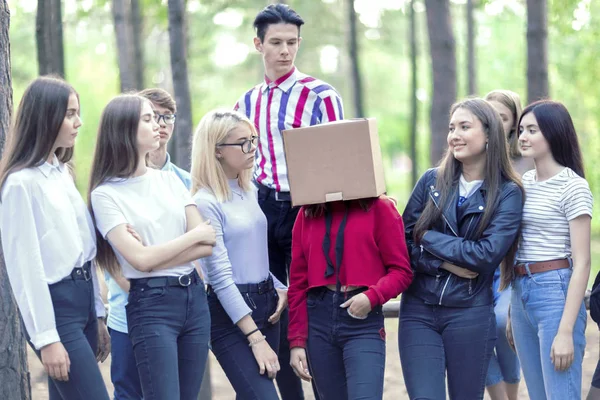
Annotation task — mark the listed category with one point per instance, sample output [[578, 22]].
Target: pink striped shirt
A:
[[292, 101]]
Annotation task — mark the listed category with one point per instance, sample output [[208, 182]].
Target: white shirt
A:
[[154, 204], [549, 206], [46, 232]]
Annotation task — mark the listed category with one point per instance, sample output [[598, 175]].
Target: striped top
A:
[[549, 206], [292, 101]]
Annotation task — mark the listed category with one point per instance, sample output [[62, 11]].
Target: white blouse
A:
[[46, 232]]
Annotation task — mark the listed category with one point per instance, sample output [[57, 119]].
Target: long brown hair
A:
[[318, 210], [116, 156], [497, 168], [39, 117], [512, 101]]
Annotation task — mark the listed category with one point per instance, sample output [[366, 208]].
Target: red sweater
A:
[[375, 256]]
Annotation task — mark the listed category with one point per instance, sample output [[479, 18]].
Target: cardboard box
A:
[[335, 161]]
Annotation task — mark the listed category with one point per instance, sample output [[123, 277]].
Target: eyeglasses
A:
[[246, 145], [168, 118]]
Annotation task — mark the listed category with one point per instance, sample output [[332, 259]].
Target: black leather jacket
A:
[[452, 240]]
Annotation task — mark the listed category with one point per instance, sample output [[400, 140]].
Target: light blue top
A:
[[241, 253], [117, 297]]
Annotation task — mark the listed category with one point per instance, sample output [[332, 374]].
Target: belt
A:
[[84, 273], [534, 268], [261, 288], [160, 281], [274, 194]]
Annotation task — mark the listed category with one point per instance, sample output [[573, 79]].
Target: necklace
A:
[[239, 194]]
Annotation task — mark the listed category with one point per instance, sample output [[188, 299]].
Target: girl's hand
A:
[[103, 341], [281, 305], [205, 233], [358, 306], [133, 233], [56, 361], [299, 363], [265, 356], [459, 271], [563, 351]]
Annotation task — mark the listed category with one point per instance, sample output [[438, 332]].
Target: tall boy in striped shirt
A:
[[286, 99]]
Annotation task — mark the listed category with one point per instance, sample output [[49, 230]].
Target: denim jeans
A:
[[346, 355], [169, 328], [504, 364], [537, 306], [75, 315], [280, 219], [231, 349], [433, 339], [123, 371]]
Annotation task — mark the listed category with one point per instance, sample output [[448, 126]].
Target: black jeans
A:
[[434, 339], [230, 346], [75, 315], [280, 219]]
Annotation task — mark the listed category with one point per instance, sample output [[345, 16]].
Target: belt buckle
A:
[[277, 196], [86, 274], [186, 282]]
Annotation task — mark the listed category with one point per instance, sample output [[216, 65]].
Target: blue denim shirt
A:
[[117, 297]]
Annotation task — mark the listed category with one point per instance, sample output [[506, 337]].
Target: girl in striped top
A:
[[553, 261]]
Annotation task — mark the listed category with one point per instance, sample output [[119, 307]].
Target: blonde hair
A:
[[207, 171], [512, 101]]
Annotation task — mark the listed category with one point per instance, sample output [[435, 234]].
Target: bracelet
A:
[[257, 341], [251, 332]]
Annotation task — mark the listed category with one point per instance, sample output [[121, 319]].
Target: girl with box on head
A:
[[244, 298], [49, 242], [553, 263], [167, 313], [348, 259], [462, 219], [504, 371]]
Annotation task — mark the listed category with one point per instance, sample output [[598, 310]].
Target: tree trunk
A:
[[49, 38], [537, 50], [137, 28], [414, 105], [14, 375], [121, 10], [443, 64], [353, 52], [471, 64], [181, 87]]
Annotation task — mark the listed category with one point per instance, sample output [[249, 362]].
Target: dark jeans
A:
[[346, 355], [169, 328], [433, 339], [280, 218], [123, 371], [230, 346], [75, 315]]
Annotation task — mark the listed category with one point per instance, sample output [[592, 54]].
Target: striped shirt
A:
[[549, 206], [292, 101]]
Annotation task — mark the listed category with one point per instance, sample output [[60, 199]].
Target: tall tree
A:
[[537, 50], [353, 53], [49, 38], [14, 376], [443, 63], [137, 28], [471, 64], [121, 11], [181, 87], [414, 105]]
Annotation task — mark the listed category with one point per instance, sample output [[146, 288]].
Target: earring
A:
[[486, 146]]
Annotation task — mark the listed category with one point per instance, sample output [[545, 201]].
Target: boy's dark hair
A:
[[276, 14], [160, 97]]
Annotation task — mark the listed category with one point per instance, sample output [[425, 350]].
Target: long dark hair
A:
[[39, 117], [116, 156], [497, 168], [557, 127], [318, 210]]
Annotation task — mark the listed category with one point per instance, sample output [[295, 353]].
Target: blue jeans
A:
[[123, 371], [280, 219], [346, 355], [537, 306], [504, 364], [433, 339], [230, 346], [169, 328], [75, 315]]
